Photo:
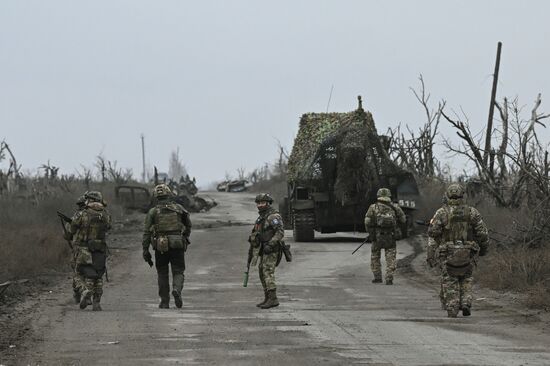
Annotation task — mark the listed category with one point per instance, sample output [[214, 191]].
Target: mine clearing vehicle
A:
[[337, 164]]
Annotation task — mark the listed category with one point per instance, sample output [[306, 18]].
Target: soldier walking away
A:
[[382, 223], [459, 236], [78, 280], [167, 228], [266, 244], [88, 229]]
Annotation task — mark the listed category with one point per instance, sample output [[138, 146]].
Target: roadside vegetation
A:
[[31, 235]]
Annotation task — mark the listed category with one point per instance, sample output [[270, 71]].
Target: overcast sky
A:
[[224, 79]]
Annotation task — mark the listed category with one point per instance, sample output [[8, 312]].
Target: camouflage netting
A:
[[342, 152]]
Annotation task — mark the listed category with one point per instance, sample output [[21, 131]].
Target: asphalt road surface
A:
[[330, 312]]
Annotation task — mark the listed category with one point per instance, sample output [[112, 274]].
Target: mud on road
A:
[[330, 312]]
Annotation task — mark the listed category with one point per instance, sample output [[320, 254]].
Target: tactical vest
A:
[[386, 219], [168, 219], [457, 249], [264, 231], [168, 227], [95, 224]]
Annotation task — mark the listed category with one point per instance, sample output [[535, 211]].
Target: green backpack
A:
[[459, 250]]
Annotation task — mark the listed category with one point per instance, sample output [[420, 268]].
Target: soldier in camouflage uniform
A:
[[88, 229], [167, 228], [382, 222], [265, 243], [78, 280], [458, 235]]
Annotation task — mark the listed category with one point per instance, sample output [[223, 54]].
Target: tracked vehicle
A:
[[337, 164]]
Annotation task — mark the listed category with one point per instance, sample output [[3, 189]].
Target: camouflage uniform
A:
[[457, 236], [265, 244], [384, 236], [78, 280], [167, 228], [88, 229]]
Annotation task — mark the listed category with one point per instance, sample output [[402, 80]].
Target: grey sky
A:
[[222, 79]]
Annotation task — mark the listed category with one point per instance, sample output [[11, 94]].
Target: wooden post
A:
[[488, 134], [144, 175]]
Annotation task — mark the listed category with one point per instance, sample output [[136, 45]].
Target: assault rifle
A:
[[248, 261], [65, 219], [363, 243]]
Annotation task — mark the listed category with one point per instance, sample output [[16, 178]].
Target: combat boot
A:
[[452, 313], [265, 299], [389, 281], [95, 303], [76, 296], [377, 280], [85, 299], [164, 304], [272, 300], [177, 299], [466, 311]]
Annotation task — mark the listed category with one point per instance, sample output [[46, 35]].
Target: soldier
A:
[[266, 242], [78, 280], [382, 223], [167, 228], [459, 236], [88, 229]]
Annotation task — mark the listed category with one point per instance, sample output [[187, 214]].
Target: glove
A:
[[431, 262], [147, 256]]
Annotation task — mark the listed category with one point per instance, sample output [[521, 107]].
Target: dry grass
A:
[[31, 238], [519, 269]]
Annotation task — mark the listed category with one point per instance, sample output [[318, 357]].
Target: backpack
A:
[[97, 225], [168, 227], [385, 217], [458, 250]]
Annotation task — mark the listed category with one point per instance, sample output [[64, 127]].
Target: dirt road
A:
[[330, 313]]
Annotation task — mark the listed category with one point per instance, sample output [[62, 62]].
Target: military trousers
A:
[[268, 263], [90, 268], [456, 290], [174, 258], [391, 261]]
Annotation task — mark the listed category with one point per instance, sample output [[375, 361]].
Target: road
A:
[[330, 312]]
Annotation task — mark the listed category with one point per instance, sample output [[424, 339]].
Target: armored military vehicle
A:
[[337, 164]]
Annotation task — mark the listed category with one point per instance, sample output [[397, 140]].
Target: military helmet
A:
[[161, 190], [455, 190], [383, 195], [81, 201], [264, 197], [94, 196]]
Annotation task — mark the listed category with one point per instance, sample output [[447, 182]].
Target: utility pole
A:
[[488, 136], [143, 176]]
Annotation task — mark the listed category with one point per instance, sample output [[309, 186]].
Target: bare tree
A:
[[519, 167], [176, 168], [118, 175], [101, 165], [241, 173], [415, 151]]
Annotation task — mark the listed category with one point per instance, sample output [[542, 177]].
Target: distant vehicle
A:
[[337, 164], [233, 186], [133, 197]]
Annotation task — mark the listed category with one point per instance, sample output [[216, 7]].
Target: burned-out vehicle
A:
[[240, 185], [337, 164], [134, 197]]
